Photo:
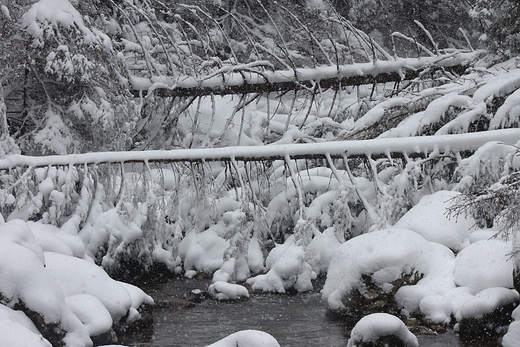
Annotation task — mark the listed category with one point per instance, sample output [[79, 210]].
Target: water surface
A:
[[294, 320]]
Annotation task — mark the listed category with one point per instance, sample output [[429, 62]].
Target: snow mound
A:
[[221, 290], [512, 336], [429, 218], [385, 255], [436, 309], [486, 302], [320, 250], [72, 274], [203, 251], [484, 264], [23, 277], [250, 338], [91, 312], [16, 329], [13, 334], [437, 263], [287, 268], [372, 327]]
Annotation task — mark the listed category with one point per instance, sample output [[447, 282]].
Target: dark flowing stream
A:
[[294, 320]]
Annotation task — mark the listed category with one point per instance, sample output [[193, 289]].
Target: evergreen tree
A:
[[500, 21]]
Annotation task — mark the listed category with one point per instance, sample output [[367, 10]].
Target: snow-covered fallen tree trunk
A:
[[242, 79], [420, 145]]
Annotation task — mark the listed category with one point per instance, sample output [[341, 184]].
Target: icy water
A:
[[294, 320]]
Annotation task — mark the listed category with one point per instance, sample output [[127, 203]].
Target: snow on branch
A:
[[375, 147], [247, 80]]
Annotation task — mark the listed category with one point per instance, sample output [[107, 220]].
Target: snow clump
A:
[[385, 255], [430, 219], [378, 325], [250, 338], [287, 268]]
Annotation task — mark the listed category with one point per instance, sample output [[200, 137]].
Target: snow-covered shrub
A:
[[487, 313]]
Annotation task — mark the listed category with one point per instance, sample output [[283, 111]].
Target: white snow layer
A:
[[370, 328]]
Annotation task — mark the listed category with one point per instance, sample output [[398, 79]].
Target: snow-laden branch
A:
[[247, 80], [375, 147]]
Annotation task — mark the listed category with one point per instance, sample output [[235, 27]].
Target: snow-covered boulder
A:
[[16, 329], [58, 240], [512, 336], [487, 312], [287, 269], [77, 276], [227, 291], [436, 309], [485, 264], [67, 299], [249, 338], [27, 285], [486, 302], [381, 328], [394, 260], [429, 218]]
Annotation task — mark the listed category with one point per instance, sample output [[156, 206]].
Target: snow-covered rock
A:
[[429, 218], [320, 250], [486, 302], [24, 279], [373, 327], [77, 276], [249, 338], [91, 312], [512, 337], [386, 255], [227, 291], [16, 329], [203, 251], [485, 264], [74, 297], [436, 309]]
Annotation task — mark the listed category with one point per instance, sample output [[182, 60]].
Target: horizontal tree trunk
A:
[[411, 146], [242, 79]]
